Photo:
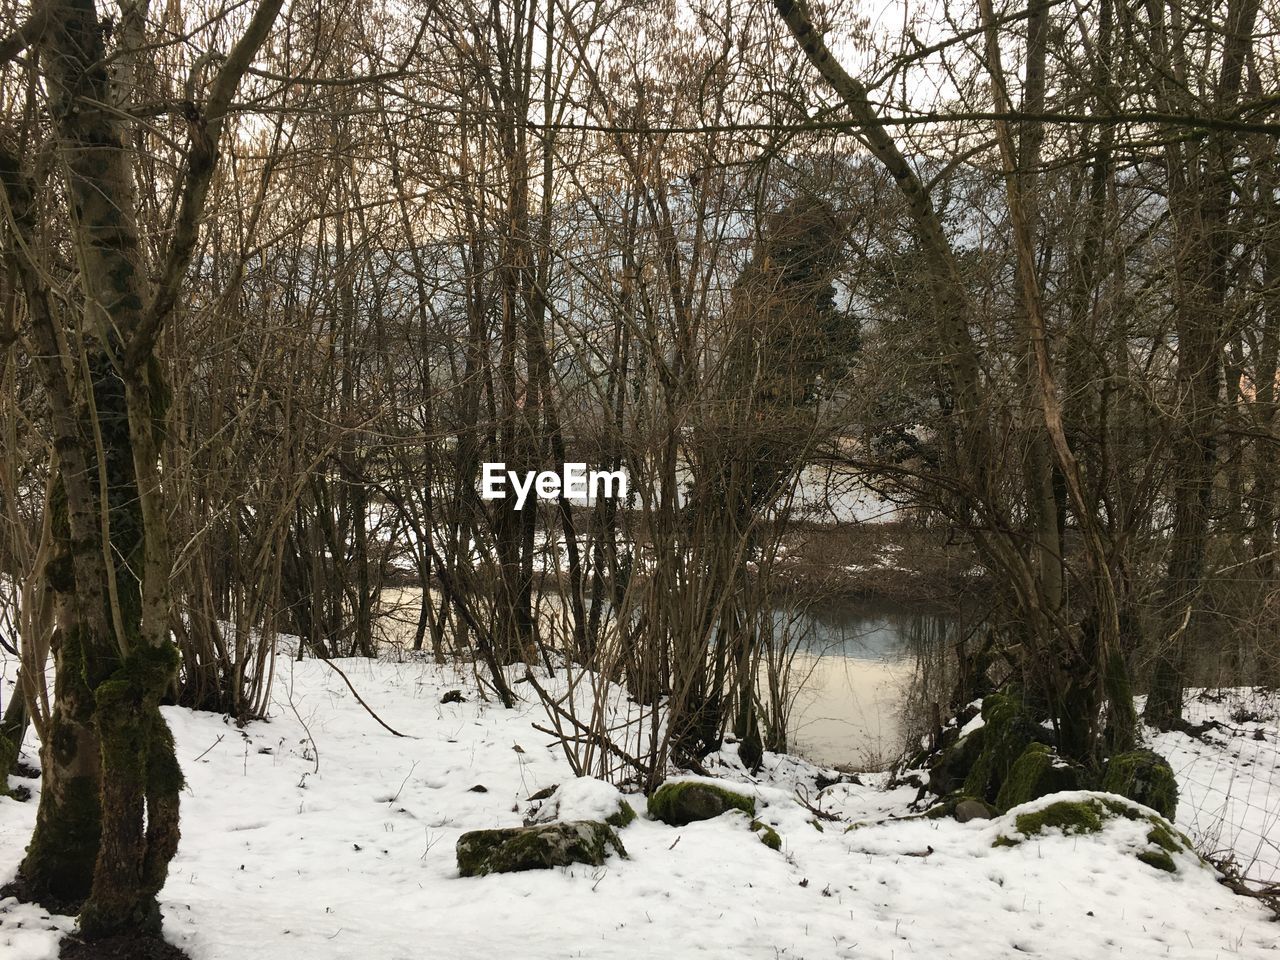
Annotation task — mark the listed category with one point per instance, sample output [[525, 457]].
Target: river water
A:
[[861, 670], [858, 673]]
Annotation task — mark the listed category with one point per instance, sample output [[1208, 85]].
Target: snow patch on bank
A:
[[317, 835], [1229, 777]]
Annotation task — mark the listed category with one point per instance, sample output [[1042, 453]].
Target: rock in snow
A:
[[584, 798], [273, 814], [687, 801], [481, 852]]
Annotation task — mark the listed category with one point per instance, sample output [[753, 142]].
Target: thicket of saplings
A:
[[277, 283]]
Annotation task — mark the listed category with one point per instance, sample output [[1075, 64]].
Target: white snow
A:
[[583, 798], [1229, 777], [319, 836]]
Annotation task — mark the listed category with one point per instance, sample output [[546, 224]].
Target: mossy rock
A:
[[1158, 859], [624, 817], [1072, 817], [1008, 729], [768, 836], [583, 798], [1168, 842], [685, 802], [1144, 777], [1038, 772], [1166, 837], [1089, 813], [511, 850]]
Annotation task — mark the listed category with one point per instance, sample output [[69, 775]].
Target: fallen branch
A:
[[382, 723], [802, 798], [211, 746]]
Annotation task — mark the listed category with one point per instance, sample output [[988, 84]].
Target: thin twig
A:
[[382, 723]]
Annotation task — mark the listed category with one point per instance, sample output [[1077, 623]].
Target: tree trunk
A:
[[1200, 188], [108, 760]]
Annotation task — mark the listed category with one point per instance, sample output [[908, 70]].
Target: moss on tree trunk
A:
[[140, 772], [58, 867], [13, 730]]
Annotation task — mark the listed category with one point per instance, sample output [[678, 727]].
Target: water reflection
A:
[[863, 676], [862, 673]]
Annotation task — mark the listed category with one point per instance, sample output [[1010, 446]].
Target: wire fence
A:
[[1228, 770]]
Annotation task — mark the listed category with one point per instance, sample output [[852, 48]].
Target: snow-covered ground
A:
[[1229, 778], [318, 835]]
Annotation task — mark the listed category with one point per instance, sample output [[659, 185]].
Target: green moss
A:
[[164, 786], [139, 773], [1072, 817], [1038, 772], [159, 395], [768, 836], [940, 811], [1158, 859], [625, 815], [1166, 841], [1025, 777], [122, 731], [1119, 808], [1162, 837], [1069, 816], [1122, 717], [1144, 777], [481, 852], [8, 757], [684, 802], [1007, 732], [164, 775], [127, 718], [57, 869], [1165, 835], [1075, 817]]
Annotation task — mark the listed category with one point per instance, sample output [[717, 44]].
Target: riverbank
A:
[[897, 562], [318, 835], [893, 561]]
